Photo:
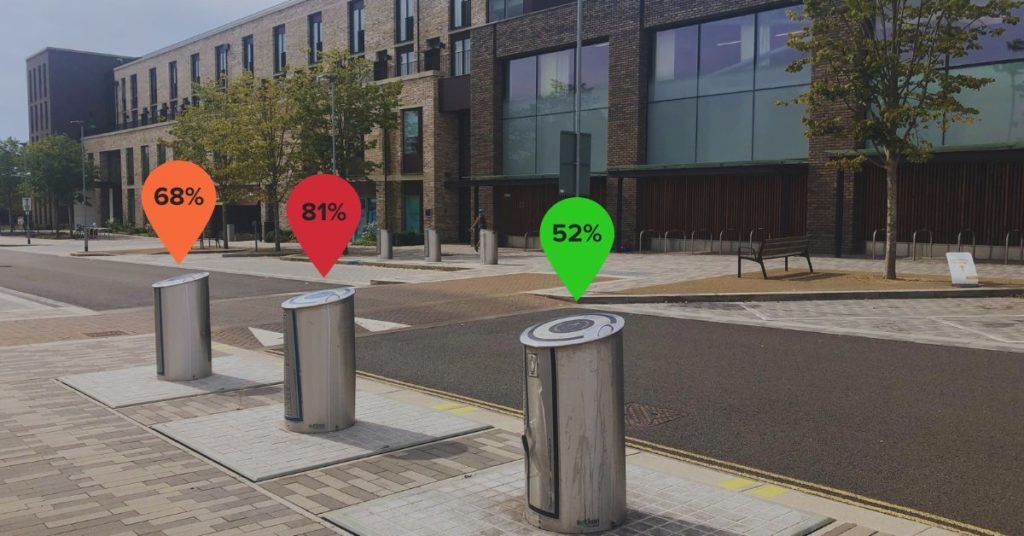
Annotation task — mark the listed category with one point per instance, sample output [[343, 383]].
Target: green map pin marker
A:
[[577, 235]]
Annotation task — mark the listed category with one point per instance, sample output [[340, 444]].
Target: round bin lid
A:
[[572, 330], [181, 280], [320, 297]]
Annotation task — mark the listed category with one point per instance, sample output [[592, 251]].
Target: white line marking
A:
[[267, 338], [274, 338], [378, 325]]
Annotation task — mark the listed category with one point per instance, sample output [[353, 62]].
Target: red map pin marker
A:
[[323, 212]]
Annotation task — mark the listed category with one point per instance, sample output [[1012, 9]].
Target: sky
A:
[[123, 27]]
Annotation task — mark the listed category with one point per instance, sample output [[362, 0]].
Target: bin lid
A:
[[181, 279], [572, 330], [320, 297]]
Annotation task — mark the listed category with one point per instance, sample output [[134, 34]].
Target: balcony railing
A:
[[154, 115], [430, 60]]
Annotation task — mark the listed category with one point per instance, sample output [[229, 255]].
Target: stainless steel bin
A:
[[574, 442], [182, 314], [432, 246], [320, 361], [384, 249], [488, 247]]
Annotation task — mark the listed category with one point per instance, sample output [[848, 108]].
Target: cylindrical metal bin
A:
[[432, 246], [320, 361], [575, 445], [488, 247], [384, 250], [182, 313]]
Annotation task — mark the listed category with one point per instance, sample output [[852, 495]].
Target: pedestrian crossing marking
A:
[[768, 491], [737, 483]]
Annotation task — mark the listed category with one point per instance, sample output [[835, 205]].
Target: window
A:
[[124, 96], [714, 88], [356, 30], [172, 78], [152, 86], [145, 162], [161, 154], [135, 91], [117, 91], [46, 88], [316, 37], [412, 141], [461, 14], [248, 54], [460, 55], [538, 105], [221, 64], [31, 85], [504, 9], [404, 21], [46, 115], [406, 60], [196, 77], [129, 163], [280, 50]]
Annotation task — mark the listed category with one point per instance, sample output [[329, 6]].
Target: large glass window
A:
[[406, 60], [412, 141], [460, 55], [280, 50], [172, 78], [1008, 46], [221, 63], [316, 37], [504, 9], [135, 91], [404, 20], [144, 151], [152, 86], [248, 54], [196, 77], [129, 163], [355, 27], [540, 94], [461, 13], [714, 89]]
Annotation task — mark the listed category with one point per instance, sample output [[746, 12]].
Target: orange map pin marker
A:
[[178, 198]]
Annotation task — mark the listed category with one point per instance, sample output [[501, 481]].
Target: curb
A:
[[379, 264], [609, 299]]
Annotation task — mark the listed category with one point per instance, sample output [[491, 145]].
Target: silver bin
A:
[[320, 361], [574, 442], [432, 246], [488, 247], [182, 313]]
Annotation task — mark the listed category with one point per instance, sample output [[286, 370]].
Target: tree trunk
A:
[[224, 222], [276, 208], [891, 178]]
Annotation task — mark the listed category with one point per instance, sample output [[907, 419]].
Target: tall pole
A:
[[334, 128], [578, 100], [85, 218]]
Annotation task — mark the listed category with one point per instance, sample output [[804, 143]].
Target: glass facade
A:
[[714, 90], [538, 106]]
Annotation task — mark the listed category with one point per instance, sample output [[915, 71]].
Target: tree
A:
[[10, 175], [884, 63], [53, 167]]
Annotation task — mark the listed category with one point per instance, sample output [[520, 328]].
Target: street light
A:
[[85, 218], [577, 105], [334, 142]]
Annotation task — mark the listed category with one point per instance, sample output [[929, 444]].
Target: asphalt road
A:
[[103, 285], [927, 427]]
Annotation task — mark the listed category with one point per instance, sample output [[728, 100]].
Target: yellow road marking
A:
[[448, 405], [737, 483], [768, 491], [804, 486], [460, 411]]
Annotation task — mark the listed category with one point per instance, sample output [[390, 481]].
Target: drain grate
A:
[[102, 334], [644, 415]]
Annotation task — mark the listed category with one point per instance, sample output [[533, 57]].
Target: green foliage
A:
[[882, 67], [53, 166], [276, 236], [10, 174]]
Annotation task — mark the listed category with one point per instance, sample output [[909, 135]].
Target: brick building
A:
[[679, 99]]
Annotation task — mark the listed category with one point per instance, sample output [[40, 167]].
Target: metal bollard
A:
[[182, 314], [432, 246], [575, 445], [384, 249], [320, 361], [488, 247]]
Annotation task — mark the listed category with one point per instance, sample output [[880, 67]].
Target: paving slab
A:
[[254, 443], [140, 385], [491, 502]]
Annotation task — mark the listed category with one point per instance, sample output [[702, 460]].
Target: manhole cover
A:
[[101, 334], [643, 415]]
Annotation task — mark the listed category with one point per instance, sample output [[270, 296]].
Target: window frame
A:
[[248, 53], [406, 51], [357, 26], [407, 24], [152, 86], [172, 78], [467, 16], [195, 66], [461, 59], [315, 35], [412, 163], [220, 63], [133, 80], [280, 49]]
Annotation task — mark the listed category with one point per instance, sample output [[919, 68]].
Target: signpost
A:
[[26, 206], [962, 269]]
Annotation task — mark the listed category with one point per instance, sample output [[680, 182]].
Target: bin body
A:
[[384, 250], [574, 442], [488, 247], [432, 246], [182, 318], [320, 361]]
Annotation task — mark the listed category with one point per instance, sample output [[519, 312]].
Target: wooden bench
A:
[[775, 248]]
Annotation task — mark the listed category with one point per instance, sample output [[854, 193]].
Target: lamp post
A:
[[334, 142], [578, 100], [85, 219]]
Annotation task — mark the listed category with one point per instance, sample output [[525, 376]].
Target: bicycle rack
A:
[[750, 239], [874, 240], [664, 247], [526, 239], [931, 242], [974, 242], [693, 236], [640, 247], [1006, 250], [721, 239]]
